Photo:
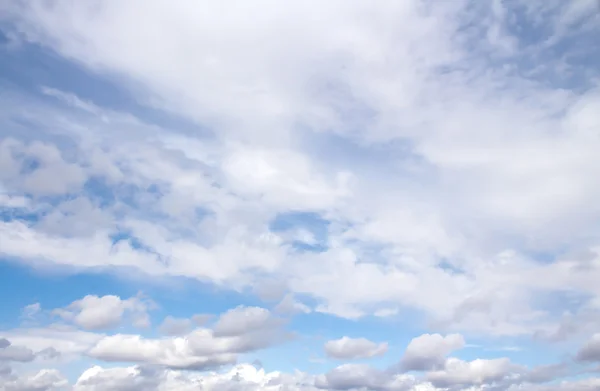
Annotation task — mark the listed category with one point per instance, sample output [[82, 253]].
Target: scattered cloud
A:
[[415, 162], [429, 351], [106, 312], [347, 348]]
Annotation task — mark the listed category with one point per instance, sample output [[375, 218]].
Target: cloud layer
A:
[[432, 166]]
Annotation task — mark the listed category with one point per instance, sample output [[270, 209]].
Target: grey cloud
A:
[[242, 320], [290, 306], [354, 348], [457, 374], [44, 380], [10, 352], [201, 319], [48, 353], [360, 376], [175, 326], [429, 351], [590, 351]]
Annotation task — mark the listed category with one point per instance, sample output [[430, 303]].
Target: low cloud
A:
[[347, 348]]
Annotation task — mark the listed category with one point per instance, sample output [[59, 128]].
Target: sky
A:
[[299, 196]]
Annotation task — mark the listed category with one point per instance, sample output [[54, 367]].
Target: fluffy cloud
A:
[[241, 377], [354, 348], [360, 376], [240, 330], [101, 313], [459, 373], [429, 351], [44, 380], [198, 350]]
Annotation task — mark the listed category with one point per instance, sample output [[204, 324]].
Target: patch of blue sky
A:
[[308, 230]]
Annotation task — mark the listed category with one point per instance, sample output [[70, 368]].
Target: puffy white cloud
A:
[[459, 373], [242, 320], [354, 348], [240, 377], [101, 313], [429, 351], [198, 350], [361, 376], [240, 330]]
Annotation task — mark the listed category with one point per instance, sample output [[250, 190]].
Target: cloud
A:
[[44, 380], [290, 306], [240, 330], [53, 340], [590, 351], [175, 326], [243, 376], [106, 312], [446, 148], [347, 348], [459, 373], [429, 351], [360, 376], [199, 350], [10, 352], [242, 320]]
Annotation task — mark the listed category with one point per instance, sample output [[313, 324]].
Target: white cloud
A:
[[290, 306], [173, 353], [347, 348], [429, 351], [443, 156], [240, 330], [101, 313], [472, 373], [241, 320], [44, 380]]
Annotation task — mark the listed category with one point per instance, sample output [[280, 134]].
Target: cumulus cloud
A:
[[243, 376], [354, 348], [240, 330], [361, 376], [459, 373], [101, 313], [242, 320], [429, 351]]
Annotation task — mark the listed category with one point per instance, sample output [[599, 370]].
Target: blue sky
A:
[[301, 196]]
